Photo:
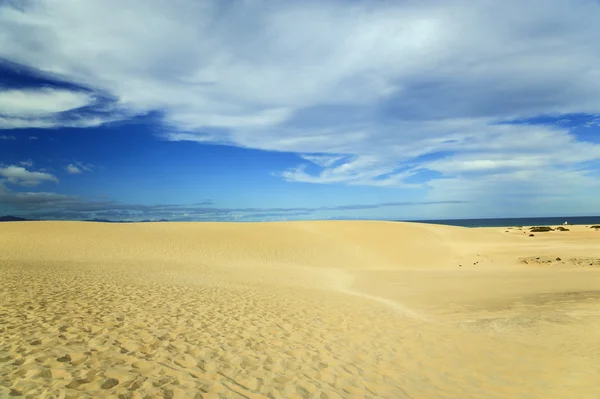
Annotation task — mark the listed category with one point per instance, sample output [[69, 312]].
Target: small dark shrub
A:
[[540, 229]]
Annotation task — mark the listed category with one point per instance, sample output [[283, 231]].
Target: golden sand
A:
[[322, 310]]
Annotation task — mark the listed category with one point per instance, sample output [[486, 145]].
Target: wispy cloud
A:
[[72, 169], [50, 205], [20, 176], [367, 94], [7, 137], [323, 161], [78, 168], [40, 102], [56, 121], [593, 122]]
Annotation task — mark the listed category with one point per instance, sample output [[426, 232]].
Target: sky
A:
[[256, 110]]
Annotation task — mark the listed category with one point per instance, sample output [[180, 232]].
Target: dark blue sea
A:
[[510, 222]]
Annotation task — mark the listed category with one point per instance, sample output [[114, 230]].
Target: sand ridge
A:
[[296, 310]]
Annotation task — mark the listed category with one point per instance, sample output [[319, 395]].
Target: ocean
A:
[[510, 222]]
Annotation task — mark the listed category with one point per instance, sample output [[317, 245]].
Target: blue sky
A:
[[253, 110]]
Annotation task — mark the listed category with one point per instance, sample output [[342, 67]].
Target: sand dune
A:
[[297, 310]]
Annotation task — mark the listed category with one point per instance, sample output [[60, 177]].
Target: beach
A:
[[316, 309]]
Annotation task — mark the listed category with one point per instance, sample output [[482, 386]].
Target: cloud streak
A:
[[40, 102], [42, 205], [72, 169], [20, 176], [78, 168]]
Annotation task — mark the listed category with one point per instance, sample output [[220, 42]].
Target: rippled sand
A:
[[297, 310]]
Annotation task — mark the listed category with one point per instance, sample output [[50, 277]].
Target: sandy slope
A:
[[297, 310]]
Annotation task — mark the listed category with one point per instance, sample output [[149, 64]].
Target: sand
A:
[[289, 310]]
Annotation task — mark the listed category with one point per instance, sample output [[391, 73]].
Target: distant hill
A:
[[108, 221], [125, 221], [9, 218]]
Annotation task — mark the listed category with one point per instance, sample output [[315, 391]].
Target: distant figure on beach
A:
[[565, 223]]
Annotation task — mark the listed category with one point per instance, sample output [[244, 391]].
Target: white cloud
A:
[[361, 170], [372, 94], [21, 176], [85, 167], [7, 137], [78, 168], [72, 169], [27, 163], [247, 64], [40, 102], [592, 123], [76, 121], [534, 192]]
